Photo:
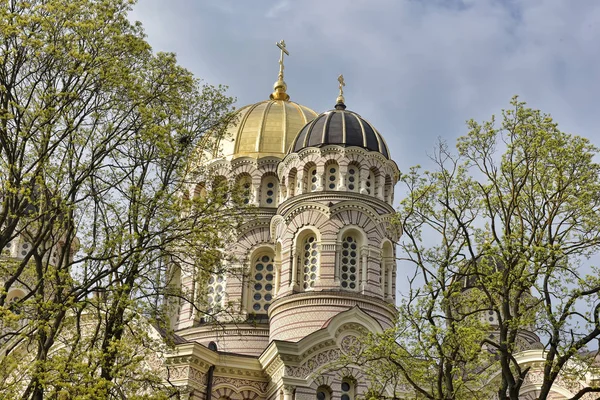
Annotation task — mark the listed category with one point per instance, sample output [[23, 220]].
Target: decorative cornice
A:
[[345, 298], [336, 149], [303, 206], [372, 202], [240, 384]]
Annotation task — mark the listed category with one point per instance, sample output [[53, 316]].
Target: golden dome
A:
[[264, 129]]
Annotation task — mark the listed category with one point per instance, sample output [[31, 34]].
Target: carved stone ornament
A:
[[572, 385], [239, 383], [350, 344], [313, 364], [186, 372], [288, 389]]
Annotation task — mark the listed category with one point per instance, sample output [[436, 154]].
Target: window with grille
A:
[[291, 183], [310, 260], [269, 191], [263, 281], [312, 179], [352, 179], [332, 176], [245, 187], [216, 286], [349, 263], [323, 393], [347, 389]]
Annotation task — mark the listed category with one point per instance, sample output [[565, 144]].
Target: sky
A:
[[415, 69]]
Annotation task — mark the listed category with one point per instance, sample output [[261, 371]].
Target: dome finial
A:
[[279, 88], [340, 99]]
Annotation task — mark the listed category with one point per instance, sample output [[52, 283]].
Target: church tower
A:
[[314, 267], [333, 230]]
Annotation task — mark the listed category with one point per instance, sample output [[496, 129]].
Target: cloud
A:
[[416, 69], [278, 9]]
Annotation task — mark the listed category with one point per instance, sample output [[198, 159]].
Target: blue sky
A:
[[416, 69]]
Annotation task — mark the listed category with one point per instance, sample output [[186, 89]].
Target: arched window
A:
[[347, 389], [216, 286], [244, 186], [200, 191], [219, 187], [349, 262], [352, 178], [323, 393], [309, 260], [12, 300], [333, 172], [312, 179], [7, 249], [263, 275], [269, 191]]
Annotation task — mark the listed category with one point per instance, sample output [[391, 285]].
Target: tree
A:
[[99, 150], [504, 229]]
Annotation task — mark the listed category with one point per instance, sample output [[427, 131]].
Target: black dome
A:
[[340, 127]]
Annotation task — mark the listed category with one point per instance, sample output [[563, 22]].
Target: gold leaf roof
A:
[[264, 129]]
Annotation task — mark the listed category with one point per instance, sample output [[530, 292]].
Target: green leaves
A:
[[98, 143], [499, 235]]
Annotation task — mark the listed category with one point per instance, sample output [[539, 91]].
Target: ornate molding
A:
[[313, 364], [350, 344], [572, 385], [187, 373], [303, 206], [233, 371], [239, 384]]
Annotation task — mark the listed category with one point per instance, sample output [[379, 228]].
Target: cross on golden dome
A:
[[279, 88]]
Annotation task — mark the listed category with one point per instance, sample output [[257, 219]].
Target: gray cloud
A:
[[416, 69]]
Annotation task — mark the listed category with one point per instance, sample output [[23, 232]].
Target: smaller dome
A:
[[340, 127]]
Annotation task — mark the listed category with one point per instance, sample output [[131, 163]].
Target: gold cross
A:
[[340, 99], [281, 45], [342, 84]]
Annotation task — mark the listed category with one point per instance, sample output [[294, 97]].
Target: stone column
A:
[[300, 182], [255, 190], [382, 277], [338, 261], [288, 392], [294, 279], [320, 177], [277, 275], [283, 193], [365, 258], [327, 264], [389, 268], [343, 171], [362, 181], [380, 185]]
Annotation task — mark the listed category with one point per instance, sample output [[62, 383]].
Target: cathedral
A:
[[314, 269], [318, 260]]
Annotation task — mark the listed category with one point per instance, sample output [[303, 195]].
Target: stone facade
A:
[[314, 269]]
